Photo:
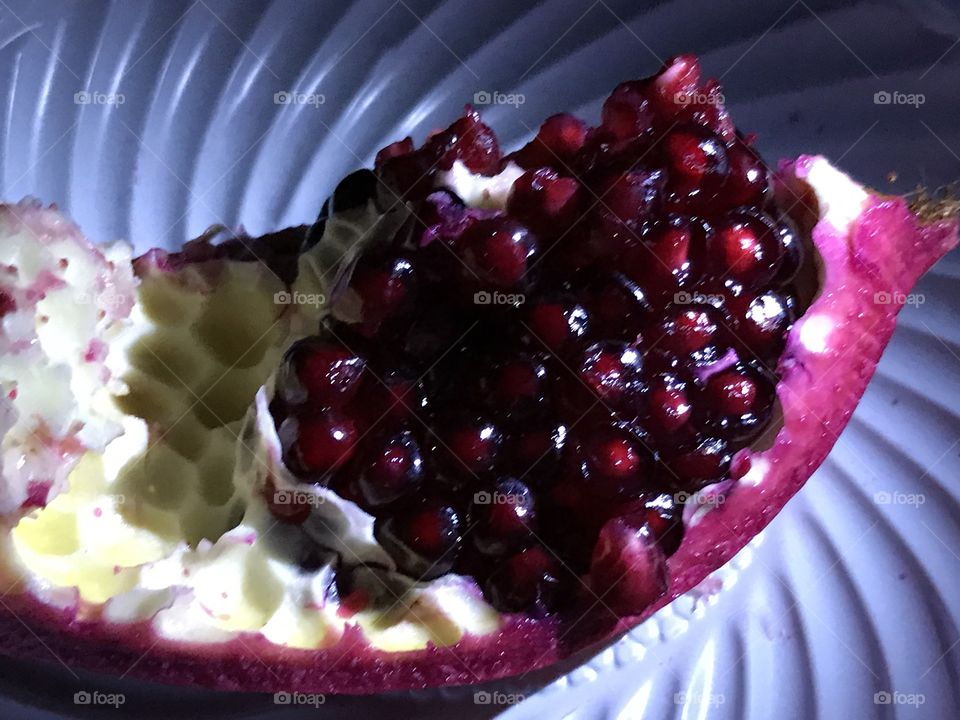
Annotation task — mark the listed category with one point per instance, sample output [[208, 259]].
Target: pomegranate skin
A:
[[828, 360]]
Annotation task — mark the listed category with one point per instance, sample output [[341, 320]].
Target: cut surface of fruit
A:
[[495, 429]]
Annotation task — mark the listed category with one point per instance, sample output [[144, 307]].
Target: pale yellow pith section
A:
[[81, 540], [154, 527]]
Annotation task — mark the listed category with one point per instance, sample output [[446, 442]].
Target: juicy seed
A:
[[611, 371], [529, 580], [424, 540], [498, 253], [688, 330], [394, 469], [747, 183], [669, 405], [702, 464], [628, 569], [504, 518], [558, 324], [697, 165], [469, 447], [469, 141], [324, 443], [555, 145], [323, 374], [613, 464], [627, 112], [544, 201], [385, 291], [731, 392], [745, 247], [630, 197]]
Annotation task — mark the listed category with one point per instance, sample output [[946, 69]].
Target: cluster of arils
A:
[[502, 388]]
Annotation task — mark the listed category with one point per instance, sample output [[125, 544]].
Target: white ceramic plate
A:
[[151, 120]]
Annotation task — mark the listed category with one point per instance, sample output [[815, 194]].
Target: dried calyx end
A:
[[527, 392], [937, 205]]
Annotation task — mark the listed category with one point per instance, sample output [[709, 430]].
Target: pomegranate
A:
[[522, 378]]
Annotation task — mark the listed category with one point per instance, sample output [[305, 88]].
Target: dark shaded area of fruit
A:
[[528, 396]]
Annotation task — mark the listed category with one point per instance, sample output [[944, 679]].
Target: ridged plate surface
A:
[[152, 120]]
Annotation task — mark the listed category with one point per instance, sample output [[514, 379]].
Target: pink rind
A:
[[886, 251]]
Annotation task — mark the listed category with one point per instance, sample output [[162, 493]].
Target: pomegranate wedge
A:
[[488, 411]]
